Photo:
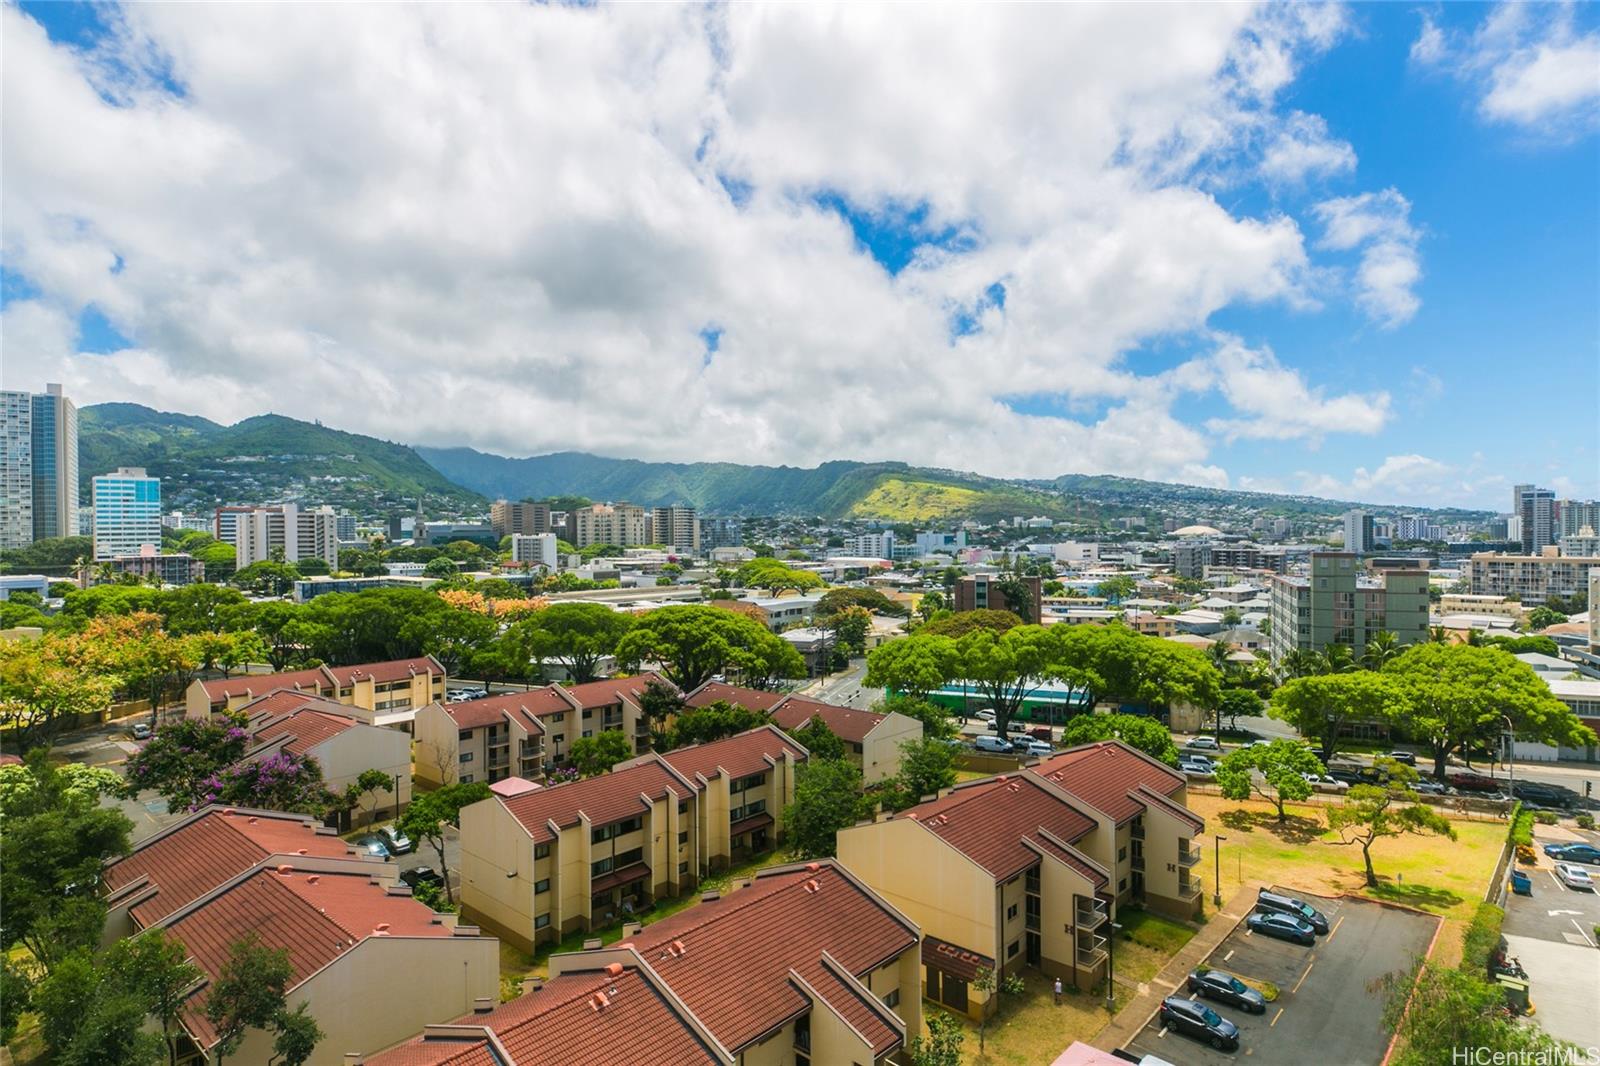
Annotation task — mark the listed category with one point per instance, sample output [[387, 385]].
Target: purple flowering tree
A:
[[183, 759], [279, 782]]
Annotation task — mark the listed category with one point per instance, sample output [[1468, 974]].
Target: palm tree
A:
[[1382, 647], [1439, 635], [1339, 659], [1218, 653], [1302, 662]]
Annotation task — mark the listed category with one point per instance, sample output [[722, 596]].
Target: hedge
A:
[[1482, 938]]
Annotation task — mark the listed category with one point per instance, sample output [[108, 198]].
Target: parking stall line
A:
[[1303, 977], [1335, 930], [1558, 881], [1581, 932], [1228, 956], [1275, 1018]]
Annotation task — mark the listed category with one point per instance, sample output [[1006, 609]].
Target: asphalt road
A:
[[1324, 1013], [845, 689], [1552, 932]]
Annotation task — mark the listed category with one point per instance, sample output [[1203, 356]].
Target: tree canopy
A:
[[693, 642], [960, 623], [1137, 731], [1276, 772], [1320, 706]]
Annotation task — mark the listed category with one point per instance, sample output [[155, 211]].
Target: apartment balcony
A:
[[1091, 950], [1189, 887], [1137, 830], [1032, 922], [1136, 861], [1188, 857], [1090, 915]]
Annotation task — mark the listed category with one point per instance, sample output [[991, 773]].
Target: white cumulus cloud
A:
[[1379, 225]]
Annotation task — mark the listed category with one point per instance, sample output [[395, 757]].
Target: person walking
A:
[[1058, 991]]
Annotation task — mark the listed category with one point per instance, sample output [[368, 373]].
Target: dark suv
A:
[[1272, 903], [1226, 988], [1193, 1018]]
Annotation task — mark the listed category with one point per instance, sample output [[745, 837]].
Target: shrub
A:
[[1482, 937], [1585, 820], [1521, 826], [1545, 817], [1526, 854]]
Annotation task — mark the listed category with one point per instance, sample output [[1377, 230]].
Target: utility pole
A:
[[1111, 970], [1216, 872]]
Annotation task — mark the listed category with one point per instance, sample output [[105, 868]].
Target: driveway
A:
[[1552, 932], [1324, 1003]]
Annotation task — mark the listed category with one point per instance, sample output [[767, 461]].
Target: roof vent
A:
[[599, 1002], [813, 866], [1001, 777], [313, 879], [229, 810], [614, 969], [482, 1005], [678, 950], [302, 851], [285, 869], [252, 820], [382, 927]]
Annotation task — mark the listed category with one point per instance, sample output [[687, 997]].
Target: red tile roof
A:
[[316, 680], [605, 799], [860, 1009], [739, 755], [1153, 798], [1102, 774], [284, 700], [559, 1026], [303, 729], [613, 690], [315, 916], [1091, 871], [988, 820], [395, 670], [754, 699], [733, 968], [525, 707], [953, 958], [207, 850], [848, 723]]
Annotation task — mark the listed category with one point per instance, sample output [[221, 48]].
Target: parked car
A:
[[992, 745], [1295, 908], [421, 875], [1193, 1018], [397, 842], [1584, 853], [373, 846], [1467, 781], [1030, 746], [1429, 787], [141, 731], [1203, 744], [985, 713], [1226, 988], [1327, 783], [1197, 765], [1042, 732], [1407, 757], [1574, 876], [1282, 927], [1546, 795]]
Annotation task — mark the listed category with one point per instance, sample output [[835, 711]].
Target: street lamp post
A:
[[1511, 757], [1216, 872], [1111, 969]]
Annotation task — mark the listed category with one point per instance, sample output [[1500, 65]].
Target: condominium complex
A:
[[1577, 514], [622, 524], [1536, 509], [982, 592], [534, 549], [511, 517], [127, 512], [1533, 579], [1341, 603], [721, 533], [38, 467], [676, 527], [382, 693], [1584, 543], [878, 544], [285, 529], [1359, 532]]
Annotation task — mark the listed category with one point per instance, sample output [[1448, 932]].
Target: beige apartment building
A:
[[1027, 869], [1532, 579], [1493, 606], [380, 693], [622, 524], [525, 734], [344, 746], [804, 965], [676, 527], [513, 517], [872, 740], [541, 863]]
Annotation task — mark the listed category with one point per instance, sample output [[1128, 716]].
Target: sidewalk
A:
[[1132, 1018]]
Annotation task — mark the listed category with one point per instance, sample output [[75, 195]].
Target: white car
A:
[[1574, 876], [1033, 747], [1324, 783], [993, 745], [1204, 744], [1197, 765], [141, 731], [987, 714]]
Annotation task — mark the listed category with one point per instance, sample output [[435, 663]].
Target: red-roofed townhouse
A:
[[582, 855], [1148, 839], [804, 965], [872, 740], [997, 873], [344, 746], [744, 783], [372, 964], [380, 693]]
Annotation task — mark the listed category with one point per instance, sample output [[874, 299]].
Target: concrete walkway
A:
[[1132, 1018]]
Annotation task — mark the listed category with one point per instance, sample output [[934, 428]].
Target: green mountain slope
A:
[[261, 459]]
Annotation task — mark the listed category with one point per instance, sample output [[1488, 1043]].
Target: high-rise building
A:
[[16, 469], [676, 527], [534, 549], [622, 524], [721, 533], [1536, 508], [127, 512], [1341, 603], [1575, 514], [983, 592], [55, 464], [510, 517], [875, 545], [1359, 534], [1533, 579], [258, 533], [345, 526]]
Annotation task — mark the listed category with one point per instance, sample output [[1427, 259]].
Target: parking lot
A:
[[1552, 932], [1324, 1012]]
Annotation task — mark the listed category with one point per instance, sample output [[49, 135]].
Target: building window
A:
[[683, 806], [588, 732], [1122, 885], [683, 869], [587, 715], [466, 779], [683, 838], [541, 921], [466, 756], [465, 734], [558, 738], [541, 851], [558, 716], [1012, 950], [542, 886], [1122, 854], [1011, 912], [601, 867], [892, 1000]]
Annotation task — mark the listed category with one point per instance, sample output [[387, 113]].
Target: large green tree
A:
[[1370, 813], [693, 642], [718, 719], [1275, 772], [598, 754], [913, 666], [430, 812], [1320, 706], [927, 765], [1006, 668], [960, 623], [827, 798], [579, 636], [1137, 731], [1458, 694]]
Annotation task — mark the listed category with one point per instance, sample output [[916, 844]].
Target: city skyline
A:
[[1254, 265]]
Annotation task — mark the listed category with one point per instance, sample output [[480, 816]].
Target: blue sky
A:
[[1352, 251]]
